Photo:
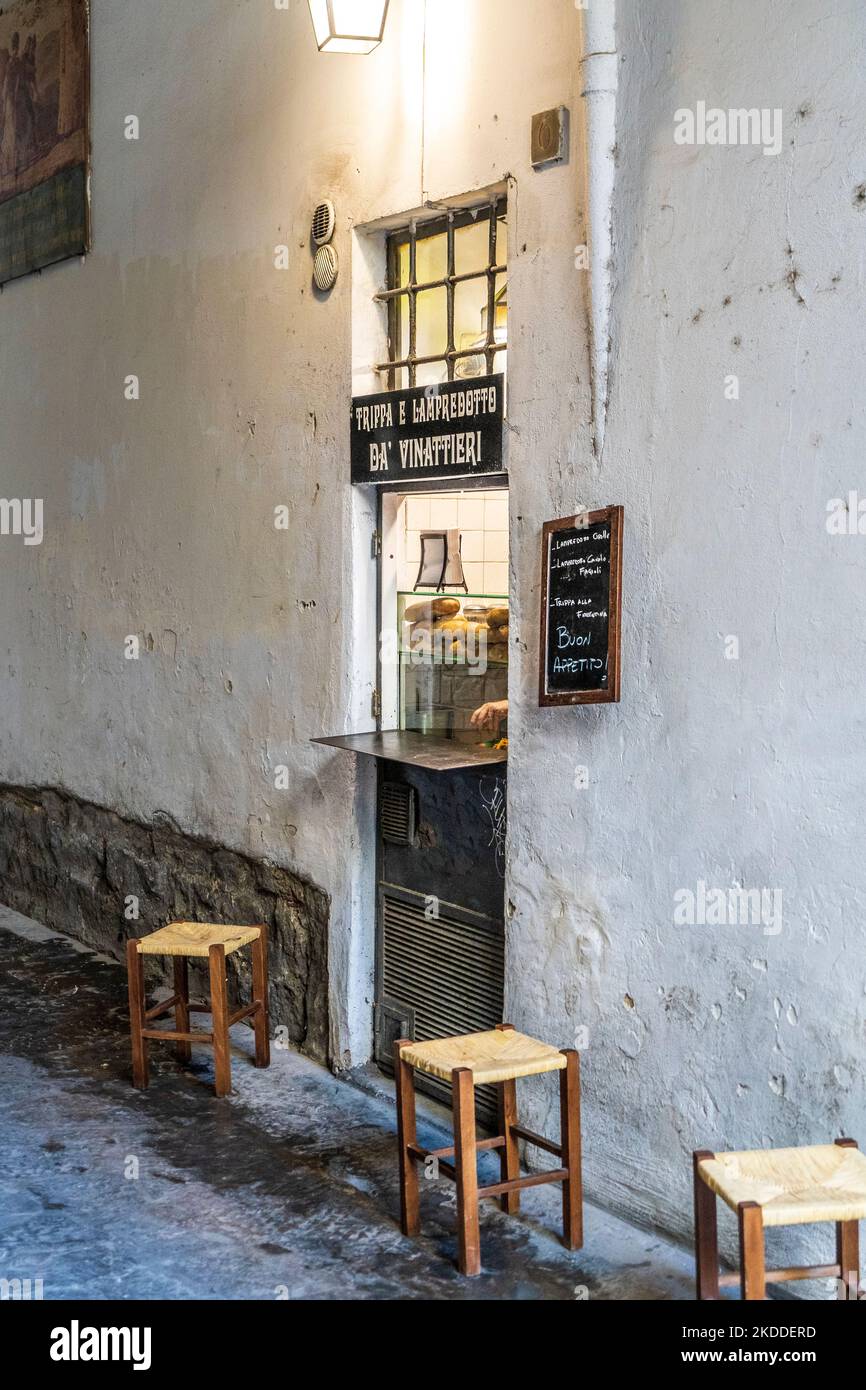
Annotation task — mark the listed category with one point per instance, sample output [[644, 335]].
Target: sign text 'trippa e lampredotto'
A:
[[450, 430]]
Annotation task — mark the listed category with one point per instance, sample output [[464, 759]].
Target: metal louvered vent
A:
[[397, 813], [326, 268], [324, 221], [448, 973]]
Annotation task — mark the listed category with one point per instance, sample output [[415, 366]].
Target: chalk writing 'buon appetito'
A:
[[581, 556]]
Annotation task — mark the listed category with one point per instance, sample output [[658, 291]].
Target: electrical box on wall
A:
[[550, 130]]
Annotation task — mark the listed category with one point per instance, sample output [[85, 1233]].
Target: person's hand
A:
[[489, 716]]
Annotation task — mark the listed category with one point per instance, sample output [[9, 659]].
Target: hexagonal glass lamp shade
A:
[[349, 26]]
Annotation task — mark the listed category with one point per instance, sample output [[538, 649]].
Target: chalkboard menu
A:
[[580, 609]]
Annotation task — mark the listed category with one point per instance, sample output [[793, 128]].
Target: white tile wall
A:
[[496, 512], [472, 545], [495, 545], [443, 513], [496, 579], [416, 511], [474, 576], [470, 513], [482, 519]]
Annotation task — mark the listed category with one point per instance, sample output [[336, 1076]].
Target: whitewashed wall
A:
[[750, 770], [159, 516], [159, 513]]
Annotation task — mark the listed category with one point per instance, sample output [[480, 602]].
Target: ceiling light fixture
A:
[[349, 26]]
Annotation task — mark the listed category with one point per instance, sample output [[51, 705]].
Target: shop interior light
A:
[[349, 26]]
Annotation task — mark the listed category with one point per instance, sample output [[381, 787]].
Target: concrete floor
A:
[[286, 1190]]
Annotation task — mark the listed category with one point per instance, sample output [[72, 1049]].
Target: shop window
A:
[[451, 640], [447, 298]]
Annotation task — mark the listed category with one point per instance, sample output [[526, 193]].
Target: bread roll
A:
[[431, 608], [497, 617]]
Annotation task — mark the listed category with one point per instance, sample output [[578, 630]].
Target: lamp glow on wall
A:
[[349, 26]]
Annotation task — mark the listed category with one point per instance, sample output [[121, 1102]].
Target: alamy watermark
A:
[[729, 907], [21, 1290], [22, 516], [738, 126], [846, 516], [437, 643], [77, 1343]]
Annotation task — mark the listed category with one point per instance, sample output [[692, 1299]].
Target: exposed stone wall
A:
[[76, 867]]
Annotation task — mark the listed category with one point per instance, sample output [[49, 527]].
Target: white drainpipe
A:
[[599, 66]]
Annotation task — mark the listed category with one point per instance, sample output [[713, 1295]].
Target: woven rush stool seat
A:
[[500, 1055], [193, 940], [780, 1187], [496, 1058], [792, 1186]]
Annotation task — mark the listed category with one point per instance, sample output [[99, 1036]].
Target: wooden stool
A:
[[183, 940], [479, 1059], [779, 1187]]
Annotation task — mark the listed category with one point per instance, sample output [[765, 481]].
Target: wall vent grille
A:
[[324, 221], [449, 973], [326, 268], [397, 813]]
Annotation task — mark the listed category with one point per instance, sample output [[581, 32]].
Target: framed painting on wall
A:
[[44, 133]]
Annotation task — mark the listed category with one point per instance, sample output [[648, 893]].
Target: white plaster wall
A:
[[159, 517], [749, 770], [159, 513]]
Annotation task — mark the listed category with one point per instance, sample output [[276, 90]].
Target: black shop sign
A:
[[453, 430]]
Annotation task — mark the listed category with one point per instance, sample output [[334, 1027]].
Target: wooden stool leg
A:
[[181, 1008], [404, 1075], [466, 1164], [753, 1277], [848, 1246], [706, 1233], [509, 1156], [260, 995], [135, 976], [848, 1258], [219, 1006], [572, 1187]]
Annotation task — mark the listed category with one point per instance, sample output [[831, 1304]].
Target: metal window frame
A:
[[492, 212]]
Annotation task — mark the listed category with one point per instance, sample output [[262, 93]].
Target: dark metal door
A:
[[440, 928]]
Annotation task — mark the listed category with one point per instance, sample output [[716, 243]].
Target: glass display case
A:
[[452, 658]]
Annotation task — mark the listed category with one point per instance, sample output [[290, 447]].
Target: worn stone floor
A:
[[286, 1190]]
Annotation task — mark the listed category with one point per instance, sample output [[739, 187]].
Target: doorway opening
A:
[[432, 355], [444, 624]]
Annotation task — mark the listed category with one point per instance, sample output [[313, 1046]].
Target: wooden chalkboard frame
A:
[[613, 516]]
